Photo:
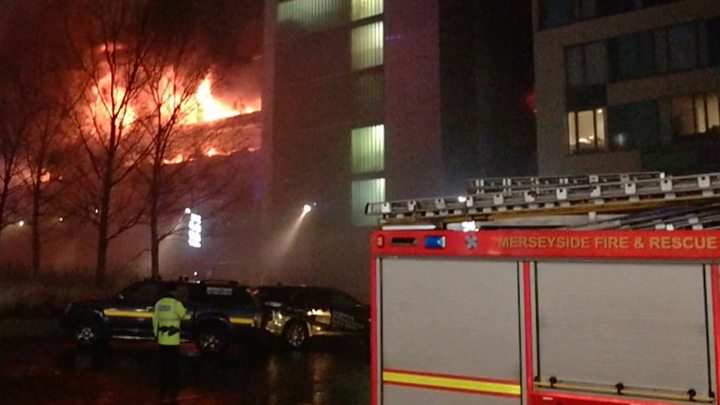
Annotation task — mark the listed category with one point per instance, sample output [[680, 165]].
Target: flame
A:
[[102, 105], [209, 108], [179, 158], [198, 107]]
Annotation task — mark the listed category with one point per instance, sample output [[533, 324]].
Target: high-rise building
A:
[[372, 100], [627, 85]]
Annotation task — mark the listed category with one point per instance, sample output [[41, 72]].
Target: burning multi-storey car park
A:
[[127, 153]]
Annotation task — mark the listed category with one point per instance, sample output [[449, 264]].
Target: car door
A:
[[313, 306], [130, 314], [347, 313]]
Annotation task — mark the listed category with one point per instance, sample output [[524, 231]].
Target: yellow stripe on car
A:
[[241, 321], [129, 314], [453, 383]]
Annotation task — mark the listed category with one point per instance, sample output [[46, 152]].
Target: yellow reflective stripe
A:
[[130, 314], [455, 383], [241, 321]]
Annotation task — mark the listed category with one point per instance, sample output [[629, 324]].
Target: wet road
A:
[[52, 371]]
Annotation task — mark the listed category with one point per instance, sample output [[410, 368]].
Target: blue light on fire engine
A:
[[435, 242]]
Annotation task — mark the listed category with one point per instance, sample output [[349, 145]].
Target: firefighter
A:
[[168, 313]]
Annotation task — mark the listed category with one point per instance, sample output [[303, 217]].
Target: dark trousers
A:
[[169, 370]]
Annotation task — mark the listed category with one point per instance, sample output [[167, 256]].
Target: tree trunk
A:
[[102, 242], [3, 199], [104, 210], [36, 247], [154, 237]]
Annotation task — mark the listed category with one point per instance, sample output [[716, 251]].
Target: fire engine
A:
[[594, 289]]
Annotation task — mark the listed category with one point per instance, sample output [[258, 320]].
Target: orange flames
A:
[[208, 107], [202, 106]]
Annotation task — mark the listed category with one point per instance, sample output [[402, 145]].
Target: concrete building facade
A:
[[627, 85], [365, 100]]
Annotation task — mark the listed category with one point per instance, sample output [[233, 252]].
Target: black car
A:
[[219, 312], [298, 314]]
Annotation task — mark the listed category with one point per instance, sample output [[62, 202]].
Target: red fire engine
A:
[[600, 289]]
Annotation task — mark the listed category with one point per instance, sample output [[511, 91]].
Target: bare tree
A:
[[47, 151], [17, 113], [175, 73], [111, 52]]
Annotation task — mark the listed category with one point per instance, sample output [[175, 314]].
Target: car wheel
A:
[[296, 334], [87, 332], [211, 340]]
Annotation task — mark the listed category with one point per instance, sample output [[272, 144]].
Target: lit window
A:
[[310, 15], [366, 8], [587, 130], [695, 114], [367, 46], [368, 147], [363, 192]]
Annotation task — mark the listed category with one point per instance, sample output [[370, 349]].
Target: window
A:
[[713, 41], [632, 56], [586, 130], [634, 125], [586, 64], [311, 14], [368, 153], [681, 47], [141, 294], [696, 114], [367, 46], [363, 192], [366, 8], [612, 7], [555, 13], [340, 300]]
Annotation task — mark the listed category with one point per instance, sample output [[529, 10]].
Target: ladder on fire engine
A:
[[641, 200]]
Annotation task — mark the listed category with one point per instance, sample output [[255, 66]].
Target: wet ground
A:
[[53, 371]]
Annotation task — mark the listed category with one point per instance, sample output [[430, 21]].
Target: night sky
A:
[[231, 30]]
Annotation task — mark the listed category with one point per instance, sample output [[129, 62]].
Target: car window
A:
[[141, 294], [341, 300], [275, 294], [309, 299]]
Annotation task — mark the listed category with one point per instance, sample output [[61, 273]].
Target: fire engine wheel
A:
[[296, 334], [211, 340], [87, 332]]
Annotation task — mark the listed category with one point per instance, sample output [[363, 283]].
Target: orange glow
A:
[[45, 177], [211, 152], [105, 93], [208, 107], [176, 160]]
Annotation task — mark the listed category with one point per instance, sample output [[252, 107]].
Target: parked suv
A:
[[219, 312], [298, 314]]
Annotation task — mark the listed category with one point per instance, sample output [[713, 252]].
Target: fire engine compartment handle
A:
[[403, 241], [620, 389]]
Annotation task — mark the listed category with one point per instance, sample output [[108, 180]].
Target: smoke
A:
[[229, 31], [240, 86]]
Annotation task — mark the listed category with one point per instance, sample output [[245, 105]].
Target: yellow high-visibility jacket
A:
[[168, 313]]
